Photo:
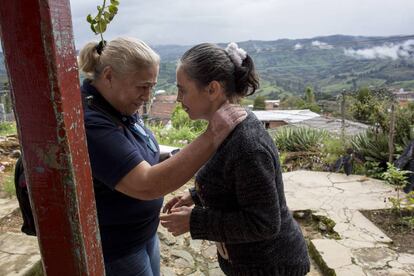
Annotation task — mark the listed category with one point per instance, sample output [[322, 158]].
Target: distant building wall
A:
[[404, 97]]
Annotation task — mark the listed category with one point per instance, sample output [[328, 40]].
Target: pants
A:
[[144, 262]]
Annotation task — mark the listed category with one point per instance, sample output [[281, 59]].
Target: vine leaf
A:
[[106, 14]]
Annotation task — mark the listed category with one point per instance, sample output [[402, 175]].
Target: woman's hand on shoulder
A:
[[226, 118]]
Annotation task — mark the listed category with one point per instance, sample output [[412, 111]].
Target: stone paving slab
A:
[[7, 206], [18, 253], [359, 192], [362, 248], [342, 258], [361, 229]]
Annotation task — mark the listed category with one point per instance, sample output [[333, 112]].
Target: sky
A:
[[188, 22]]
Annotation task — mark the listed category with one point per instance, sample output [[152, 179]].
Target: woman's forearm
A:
[[174, 172], [149, 182]]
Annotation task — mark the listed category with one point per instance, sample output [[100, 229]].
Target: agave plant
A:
[[371, 146], [299, 139]]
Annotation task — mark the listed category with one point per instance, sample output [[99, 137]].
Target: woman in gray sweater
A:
[[239, 199]]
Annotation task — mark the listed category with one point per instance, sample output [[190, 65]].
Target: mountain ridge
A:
[[327, 63]]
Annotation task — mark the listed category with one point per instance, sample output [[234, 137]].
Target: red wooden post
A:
[[41, 61]]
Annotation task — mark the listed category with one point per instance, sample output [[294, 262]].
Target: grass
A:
[[8, 128], [8, 185]]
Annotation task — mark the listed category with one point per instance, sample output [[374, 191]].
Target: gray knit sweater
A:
[[240, 201]]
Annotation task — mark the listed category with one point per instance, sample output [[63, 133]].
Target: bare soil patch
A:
[[395, 227], [12, 222]]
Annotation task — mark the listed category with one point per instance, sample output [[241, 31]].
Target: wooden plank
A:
[[40, 57]]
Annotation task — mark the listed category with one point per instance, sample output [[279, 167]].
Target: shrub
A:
[[397, 178], [373, 169], [183, 130], [181, 119], [333, 148], [372, 146], [259, 103], [299, 139], [7, 128], [174, 137]]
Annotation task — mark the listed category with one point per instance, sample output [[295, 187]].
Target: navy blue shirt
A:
[[125, 223]]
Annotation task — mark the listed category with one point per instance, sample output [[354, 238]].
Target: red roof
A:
[[163, 106], [165, 98]]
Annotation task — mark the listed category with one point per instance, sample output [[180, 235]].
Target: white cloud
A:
[[191, 21], [298, 46], [390, 50], [321, 45]]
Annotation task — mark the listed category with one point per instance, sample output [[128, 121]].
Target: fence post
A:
[[391, 133], [41, 62]]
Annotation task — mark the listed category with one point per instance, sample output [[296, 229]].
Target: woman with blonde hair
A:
[[129, 181]]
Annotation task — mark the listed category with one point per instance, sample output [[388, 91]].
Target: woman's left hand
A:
[[224, 120], [178, 221]]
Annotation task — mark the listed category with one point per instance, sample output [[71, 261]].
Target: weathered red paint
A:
[[41, 61]]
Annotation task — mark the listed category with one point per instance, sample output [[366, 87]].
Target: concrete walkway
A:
[[362, 249], [18, 253]]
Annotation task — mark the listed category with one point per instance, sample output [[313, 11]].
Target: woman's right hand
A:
[[226, 118], [181, 200]]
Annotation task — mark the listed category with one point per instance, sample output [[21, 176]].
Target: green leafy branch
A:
[[105, 15]]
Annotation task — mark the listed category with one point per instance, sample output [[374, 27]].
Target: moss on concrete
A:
[[314, 221], [314, 254], [330, 224]]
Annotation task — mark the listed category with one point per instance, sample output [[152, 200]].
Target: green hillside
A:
[[286, 70], [288, 66]]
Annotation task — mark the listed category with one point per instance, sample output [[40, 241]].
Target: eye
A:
[[144, 87]]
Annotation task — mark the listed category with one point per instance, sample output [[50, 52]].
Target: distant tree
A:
[[259, 103], [313, 107], [310, 102], [367, 108], [309, 95], [404, 125], [292, 102]]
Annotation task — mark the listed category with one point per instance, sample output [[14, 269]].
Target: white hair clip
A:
[[236, 54]]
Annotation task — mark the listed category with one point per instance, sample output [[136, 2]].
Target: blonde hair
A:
[[124, 55]]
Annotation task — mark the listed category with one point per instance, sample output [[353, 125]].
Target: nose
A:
[[179, 97], [146, 94]]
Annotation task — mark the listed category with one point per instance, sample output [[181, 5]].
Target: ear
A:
[[107, 75], [215, 90]]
